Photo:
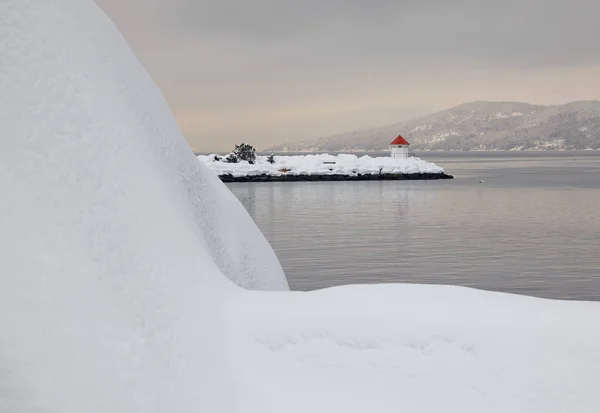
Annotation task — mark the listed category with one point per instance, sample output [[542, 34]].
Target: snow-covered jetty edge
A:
[[323, 167]]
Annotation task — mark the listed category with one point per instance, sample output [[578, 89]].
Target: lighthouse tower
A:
[[399, 148]]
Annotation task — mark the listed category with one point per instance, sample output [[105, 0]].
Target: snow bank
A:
[[418, 349], [117, 248], [322, 164]]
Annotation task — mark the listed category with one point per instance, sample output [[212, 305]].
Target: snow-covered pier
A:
[[324, 167]]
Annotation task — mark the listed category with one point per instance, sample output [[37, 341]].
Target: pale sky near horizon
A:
[[269, 71]]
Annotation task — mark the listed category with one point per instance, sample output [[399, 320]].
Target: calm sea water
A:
[[532, 227]]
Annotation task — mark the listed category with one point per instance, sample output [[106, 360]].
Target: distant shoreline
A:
[[566, 152]]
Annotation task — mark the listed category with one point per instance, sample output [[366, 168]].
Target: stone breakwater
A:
[[335, 177]]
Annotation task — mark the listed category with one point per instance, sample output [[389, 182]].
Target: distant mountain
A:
[[477, 126]]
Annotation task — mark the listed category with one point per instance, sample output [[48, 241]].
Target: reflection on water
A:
[[532, 227]]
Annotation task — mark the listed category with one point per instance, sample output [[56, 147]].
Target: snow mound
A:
[[114, 240], [120, 254], [322, 164]]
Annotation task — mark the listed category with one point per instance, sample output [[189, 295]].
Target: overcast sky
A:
[[268, 71]]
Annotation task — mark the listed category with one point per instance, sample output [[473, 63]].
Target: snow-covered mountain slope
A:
[[120, 254], [478, 126]]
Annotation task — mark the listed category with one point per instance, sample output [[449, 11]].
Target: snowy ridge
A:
[[477, 126], [321, 164], [122, 262]]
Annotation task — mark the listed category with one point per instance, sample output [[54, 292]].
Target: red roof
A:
[[399, 141]]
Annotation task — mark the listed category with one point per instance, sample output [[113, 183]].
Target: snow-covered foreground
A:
[[126, 268], [413, 348], [322, 164]]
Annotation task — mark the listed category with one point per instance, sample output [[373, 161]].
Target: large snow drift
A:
[[321, 164], [117, 248], [114, 241]]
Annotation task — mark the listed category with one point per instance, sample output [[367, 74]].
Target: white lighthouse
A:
[[399, 148]]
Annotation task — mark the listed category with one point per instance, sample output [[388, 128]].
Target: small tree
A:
[[217, 158], [245, 152], [232, 158], [271, 159]]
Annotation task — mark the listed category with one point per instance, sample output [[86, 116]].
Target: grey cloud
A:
[[531, 32], [297, 33], [284, 17]]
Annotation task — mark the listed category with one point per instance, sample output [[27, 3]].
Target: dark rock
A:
[[358, 177]]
